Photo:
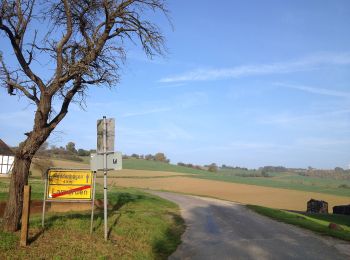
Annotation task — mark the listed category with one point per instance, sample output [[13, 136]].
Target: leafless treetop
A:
[[82, 40]]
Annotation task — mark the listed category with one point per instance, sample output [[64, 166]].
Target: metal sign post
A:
[[105, 159], [93, 203], [105, 174], [44, 201]]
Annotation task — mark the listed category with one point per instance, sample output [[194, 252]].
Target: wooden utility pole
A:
[[25, 216]]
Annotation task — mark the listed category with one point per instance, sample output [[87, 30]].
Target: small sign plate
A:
[[114, 161]]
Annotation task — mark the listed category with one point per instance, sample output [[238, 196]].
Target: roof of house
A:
[[4, 149]]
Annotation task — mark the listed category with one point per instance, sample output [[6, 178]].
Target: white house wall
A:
[[6, 163]]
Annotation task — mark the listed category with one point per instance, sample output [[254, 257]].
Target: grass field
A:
[[37, 188], [127, 173], [315, 222], [138, 164], [141, 226]]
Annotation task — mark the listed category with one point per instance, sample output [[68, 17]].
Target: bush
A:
[[213, 167], [344, 186], [70, 147], [42, 165], [82, 152], [160, 157], [190, 165], [71, 157], [264, 173]]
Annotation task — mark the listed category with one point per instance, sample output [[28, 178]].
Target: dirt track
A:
[[247, 194]]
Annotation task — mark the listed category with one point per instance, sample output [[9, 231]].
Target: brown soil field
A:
[[122, 173], [246, 194], [69, 164], [60, 164]]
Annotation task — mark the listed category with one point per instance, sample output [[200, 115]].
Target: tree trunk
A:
[[19, 178], [20, 174], [23, 159]]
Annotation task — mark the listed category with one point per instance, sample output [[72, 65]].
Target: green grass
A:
[[141, 226], [37, 188], [315, 222], [8, 241], [335, 218], [139, 164], [290, 181]]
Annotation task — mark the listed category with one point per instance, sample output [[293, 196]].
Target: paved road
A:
[[223, 230]]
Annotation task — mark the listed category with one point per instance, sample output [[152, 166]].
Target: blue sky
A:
[[244, 83]]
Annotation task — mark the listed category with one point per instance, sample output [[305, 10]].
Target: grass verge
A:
[[139, 164], [141, 226], [315, 222]]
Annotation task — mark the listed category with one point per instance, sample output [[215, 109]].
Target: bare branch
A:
[[77, 85], [16, 35], [12, 84], [89, 51]]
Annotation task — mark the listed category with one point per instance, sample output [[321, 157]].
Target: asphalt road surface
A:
[[224, 230]]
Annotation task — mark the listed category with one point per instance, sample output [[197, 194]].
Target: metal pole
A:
[[105, 173], [44, 201], [93, 202]]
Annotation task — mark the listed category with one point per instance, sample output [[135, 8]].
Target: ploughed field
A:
[[243, 193]]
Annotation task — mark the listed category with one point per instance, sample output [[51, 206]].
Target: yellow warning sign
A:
[[69, 184], [72, 177]]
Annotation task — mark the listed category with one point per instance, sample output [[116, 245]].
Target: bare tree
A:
[[84, 46]]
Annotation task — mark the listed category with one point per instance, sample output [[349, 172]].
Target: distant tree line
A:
[[69, 152], [159, 157], [338, 173], [273, 169], [211, 167], [228, 167], [190, 165]]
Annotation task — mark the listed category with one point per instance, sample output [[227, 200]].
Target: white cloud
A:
[[322, 142], [306, 63], [337, 120], [175, 85], [165, 132], [239, 146], [313, 90], [175, 132]]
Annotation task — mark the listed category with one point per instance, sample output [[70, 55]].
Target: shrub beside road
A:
[[316, 222]]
